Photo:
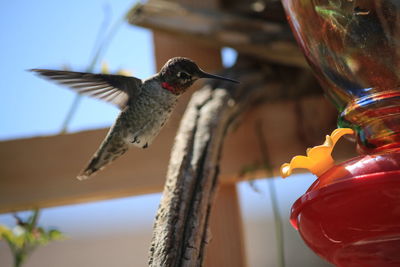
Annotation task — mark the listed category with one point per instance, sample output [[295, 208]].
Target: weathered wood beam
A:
[[40, 172], [272, 41], [270, 10]]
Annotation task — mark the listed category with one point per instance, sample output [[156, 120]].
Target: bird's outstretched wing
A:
[[115, 89]]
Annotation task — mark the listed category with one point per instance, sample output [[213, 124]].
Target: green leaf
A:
[[55, 235], [4, 231]]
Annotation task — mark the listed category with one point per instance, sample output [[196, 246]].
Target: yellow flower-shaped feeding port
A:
[[319, 158]]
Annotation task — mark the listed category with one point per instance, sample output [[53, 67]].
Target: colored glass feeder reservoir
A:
[[351, 214]]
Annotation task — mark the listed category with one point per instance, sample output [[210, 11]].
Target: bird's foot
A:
[[135, 140]]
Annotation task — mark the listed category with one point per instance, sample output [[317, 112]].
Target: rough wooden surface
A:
[[181, 228], [272, 41]]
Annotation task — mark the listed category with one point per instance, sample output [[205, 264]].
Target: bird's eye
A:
[[183, 75]]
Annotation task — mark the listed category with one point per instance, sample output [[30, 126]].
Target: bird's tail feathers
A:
[[92, 168], [106, 154]]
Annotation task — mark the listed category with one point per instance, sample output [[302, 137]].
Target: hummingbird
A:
[[145, 105]]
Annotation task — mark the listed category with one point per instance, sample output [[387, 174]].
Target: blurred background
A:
[[60, 34]]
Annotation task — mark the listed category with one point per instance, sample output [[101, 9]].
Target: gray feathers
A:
[[115, 89]]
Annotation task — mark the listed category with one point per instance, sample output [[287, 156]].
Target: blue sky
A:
[[51, 34]]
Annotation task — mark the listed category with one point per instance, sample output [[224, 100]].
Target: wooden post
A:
[[226, 228], [226, 245]]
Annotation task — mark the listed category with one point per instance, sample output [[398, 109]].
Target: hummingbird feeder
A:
[[351, 214]]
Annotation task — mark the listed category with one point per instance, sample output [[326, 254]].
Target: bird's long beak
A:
[[211, 76]]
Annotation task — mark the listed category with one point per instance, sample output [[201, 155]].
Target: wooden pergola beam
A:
[[40, 172], [272, 41]]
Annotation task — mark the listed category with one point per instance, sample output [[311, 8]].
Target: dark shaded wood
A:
[[271, 41], [271, 10]]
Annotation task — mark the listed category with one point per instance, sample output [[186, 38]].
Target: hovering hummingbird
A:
[[145, 105]]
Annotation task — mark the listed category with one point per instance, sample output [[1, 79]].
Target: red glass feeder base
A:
[[351, 214]]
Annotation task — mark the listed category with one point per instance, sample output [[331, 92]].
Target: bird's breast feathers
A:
[[146, 117]]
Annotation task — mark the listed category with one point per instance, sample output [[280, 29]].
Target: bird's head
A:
[[179, 73]]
